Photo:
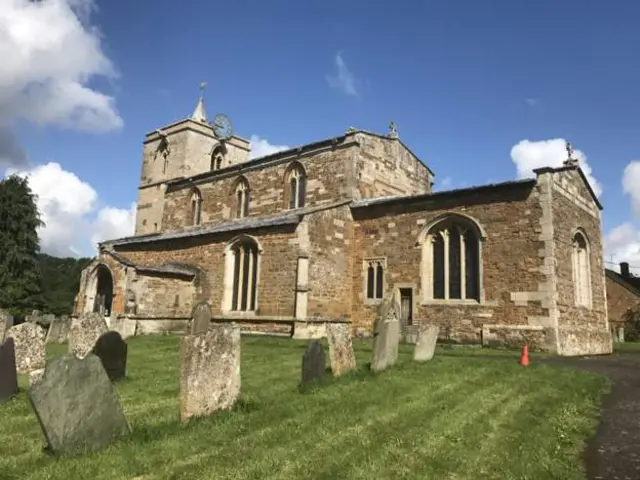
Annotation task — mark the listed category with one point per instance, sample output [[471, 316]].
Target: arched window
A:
[[196, 207], [242, 198], [451, 260], [216, 158], [375, 278], [241, 278], [581, 270], [297, 185]]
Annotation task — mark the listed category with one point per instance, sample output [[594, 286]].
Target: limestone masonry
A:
[[324, 232]]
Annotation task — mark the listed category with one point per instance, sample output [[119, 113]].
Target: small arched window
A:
[[196, 207], [297, 185], [242, 198], [242, 275], [581, 270], [451, 260], [216, 158]]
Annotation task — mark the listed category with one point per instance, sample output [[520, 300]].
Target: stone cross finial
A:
[[570, 161], [393, 130], [203, 86], [351, 130]]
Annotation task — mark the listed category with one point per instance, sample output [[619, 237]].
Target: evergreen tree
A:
[[20, 287]]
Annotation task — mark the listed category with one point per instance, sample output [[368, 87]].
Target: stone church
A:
[[284, 243]]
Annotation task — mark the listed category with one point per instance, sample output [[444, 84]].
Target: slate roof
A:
[[630, 283]]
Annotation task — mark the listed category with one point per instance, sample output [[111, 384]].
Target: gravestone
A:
[[8, 373], [77, 406], [386, 338], [111, 349], [341, 355], [313, 362], [6, 322], [29, 346], [84, 333], [209, 371], [59, 330], [426, 343], [201, 318]]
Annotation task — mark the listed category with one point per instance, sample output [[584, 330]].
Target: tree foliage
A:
[[20, 288], [60, 282]]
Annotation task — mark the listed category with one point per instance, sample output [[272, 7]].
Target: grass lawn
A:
[[468, 414]]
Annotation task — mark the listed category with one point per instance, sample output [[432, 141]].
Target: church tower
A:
[[182, 149]]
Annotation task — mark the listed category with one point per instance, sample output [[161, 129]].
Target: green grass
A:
[[460, 416]]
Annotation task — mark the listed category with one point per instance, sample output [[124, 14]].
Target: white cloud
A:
[[69, 208], [49, 53], [528, 155], [343, 79], [631, 184], [261, 147], [622, 244]]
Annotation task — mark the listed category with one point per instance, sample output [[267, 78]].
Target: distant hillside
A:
[[60, 282]]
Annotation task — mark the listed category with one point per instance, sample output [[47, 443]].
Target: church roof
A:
[[630, 283]]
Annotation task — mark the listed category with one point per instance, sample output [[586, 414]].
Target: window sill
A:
[[453, 302], [373, 301], [239, 313]]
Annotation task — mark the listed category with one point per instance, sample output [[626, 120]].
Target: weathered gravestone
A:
[[201, 318], [209, 371], [313, 363], [77, 406], [84, 333], [6, 322], [8, 373], [59, 330], [111, 349], [426, 343], [29, 346], [341, 353], [386, 336]]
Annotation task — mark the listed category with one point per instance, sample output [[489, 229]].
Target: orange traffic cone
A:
[[524, 356]]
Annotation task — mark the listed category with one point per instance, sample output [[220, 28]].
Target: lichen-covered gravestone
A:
[[77, 406], [6, 322], [341, 353], [313, 363], [209, 371], [59, 330], [426, 343], [111, 349], [84, 333], [29, 346], [201, 318], [8, 373], [386, 336]]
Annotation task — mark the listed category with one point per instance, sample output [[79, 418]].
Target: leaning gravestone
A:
[[29, 346], [84, 333], [201, 318], [6, 322], [386, 336], [8, 373], [77, 406], [209, 371], [341, 353], [59, 330], [313, 363], [426, 343], [111, 349]]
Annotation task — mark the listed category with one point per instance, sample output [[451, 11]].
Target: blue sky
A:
[[464, 83]]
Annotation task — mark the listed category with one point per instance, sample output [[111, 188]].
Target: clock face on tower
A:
[[222, 128]]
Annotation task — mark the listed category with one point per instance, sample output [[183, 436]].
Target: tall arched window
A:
[[217, 158], [581, 270], [451, 260], [241, 277], [196, 207], [297, 186], [242, 198]]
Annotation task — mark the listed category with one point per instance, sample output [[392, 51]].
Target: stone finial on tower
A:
[[393, 130], [570, 161], [351, 130], [199, 114]]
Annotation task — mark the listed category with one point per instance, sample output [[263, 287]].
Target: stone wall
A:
[[581, 329], [159, 294], [510, 218], [619, 300]]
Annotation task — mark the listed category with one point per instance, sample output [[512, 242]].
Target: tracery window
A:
[[244, 282], [242, 199], [297, 186], [451, 260], [216, 159], [375, 269]]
